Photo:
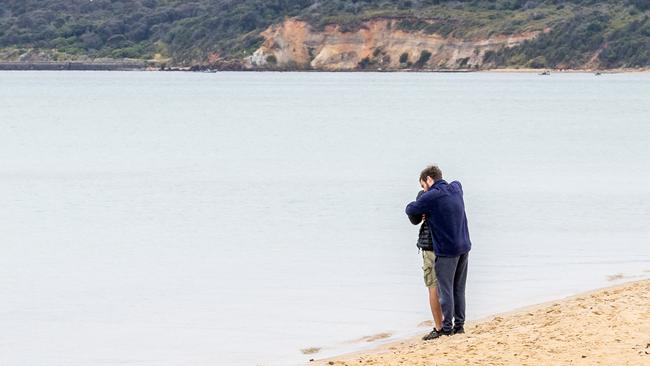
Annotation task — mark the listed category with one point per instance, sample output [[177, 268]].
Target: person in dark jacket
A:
[[425, 244], [444, 210]]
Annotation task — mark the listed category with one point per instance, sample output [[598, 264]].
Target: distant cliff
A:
[[330, 34], [377, 44]]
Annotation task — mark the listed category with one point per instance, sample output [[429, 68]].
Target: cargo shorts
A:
[[429, 259]]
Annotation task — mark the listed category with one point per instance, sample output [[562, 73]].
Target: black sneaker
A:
[[436, 334], [458, 330]]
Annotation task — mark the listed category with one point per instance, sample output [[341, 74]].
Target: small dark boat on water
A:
[[545, 73]]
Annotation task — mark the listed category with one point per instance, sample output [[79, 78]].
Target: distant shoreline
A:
[[73, 66], [609, 325], [136, 65]]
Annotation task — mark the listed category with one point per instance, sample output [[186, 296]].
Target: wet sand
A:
[[605, 327]]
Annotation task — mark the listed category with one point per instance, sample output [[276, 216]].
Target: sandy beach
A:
[[605, 327]]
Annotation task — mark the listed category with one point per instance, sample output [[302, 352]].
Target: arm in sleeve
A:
[[423, 204], [415, 208], [416, 219]]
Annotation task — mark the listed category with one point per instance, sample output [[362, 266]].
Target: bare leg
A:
[[436, 311]]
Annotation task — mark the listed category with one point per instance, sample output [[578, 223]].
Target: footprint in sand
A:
[[615, 277], [375, 337], [310, 350], [372, 338]]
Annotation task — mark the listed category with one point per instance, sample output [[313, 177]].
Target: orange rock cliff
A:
[[375, 44]]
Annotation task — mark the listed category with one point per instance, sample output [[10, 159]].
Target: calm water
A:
[[237, 218]]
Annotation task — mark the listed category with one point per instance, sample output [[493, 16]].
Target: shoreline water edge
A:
[[610, 325]]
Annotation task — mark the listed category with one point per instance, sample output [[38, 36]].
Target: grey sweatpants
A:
[[452, 275]]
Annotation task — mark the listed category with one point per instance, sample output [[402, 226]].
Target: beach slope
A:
[[605, 327]]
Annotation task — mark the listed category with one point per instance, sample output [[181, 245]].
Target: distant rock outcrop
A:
[[375, 44]]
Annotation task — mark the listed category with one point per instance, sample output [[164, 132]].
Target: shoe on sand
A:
[[458, 330], [436, 334]]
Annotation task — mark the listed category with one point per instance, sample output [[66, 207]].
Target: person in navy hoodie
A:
[[444, 209]]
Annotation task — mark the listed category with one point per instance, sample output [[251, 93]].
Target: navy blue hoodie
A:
[[445, 213]]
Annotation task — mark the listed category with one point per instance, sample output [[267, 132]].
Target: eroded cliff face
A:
[[376, 44]]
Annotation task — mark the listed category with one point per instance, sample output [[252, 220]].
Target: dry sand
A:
[[605, 327]]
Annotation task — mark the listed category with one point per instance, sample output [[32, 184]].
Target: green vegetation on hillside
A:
[[616, 33]]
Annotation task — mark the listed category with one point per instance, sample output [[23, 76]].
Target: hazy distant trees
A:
[[575, 41], [190, 30]]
